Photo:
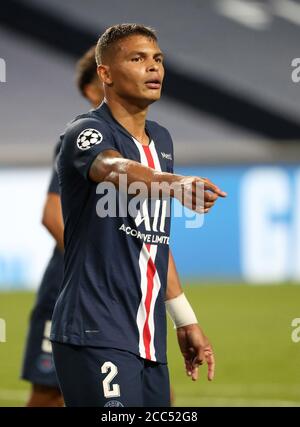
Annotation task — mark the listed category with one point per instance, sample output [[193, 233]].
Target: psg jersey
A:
[[116, 260], [52, 278]]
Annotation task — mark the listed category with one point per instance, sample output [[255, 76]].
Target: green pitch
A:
[[258, 364]]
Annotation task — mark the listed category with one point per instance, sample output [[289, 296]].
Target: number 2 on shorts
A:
[[110, 390]]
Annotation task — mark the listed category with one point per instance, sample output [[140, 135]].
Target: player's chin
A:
[[145, 99], [153, 95]]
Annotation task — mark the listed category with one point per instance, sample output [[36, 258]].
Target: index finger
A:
[[210, 359], [208, 185]]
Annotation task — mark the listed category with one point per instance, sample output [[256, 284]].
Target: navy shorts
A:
[[38, 366], [94, 376]]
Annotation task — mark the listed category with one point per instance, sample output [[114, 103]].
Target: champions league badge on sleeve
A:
[[88, 138]]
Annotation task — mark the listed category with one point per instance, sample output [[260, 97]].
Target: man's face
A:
[[136, 70]]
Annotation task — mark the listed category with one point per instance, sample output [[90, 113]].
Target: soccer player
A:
[[109, 323], [38, 367]]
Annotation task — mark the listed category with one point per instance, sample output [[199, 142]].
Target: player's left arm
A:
[[194, 345]]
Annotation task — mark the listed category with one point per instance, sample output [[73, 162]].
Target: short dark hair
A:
[[86, 69], [118, 32]]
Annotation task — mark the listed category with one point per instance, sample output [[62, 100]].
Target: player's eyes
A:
[[139, 59]]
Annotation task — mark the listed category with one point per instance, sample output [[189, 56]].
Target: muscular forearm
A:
[[177, 305], [111, 166], [174, 288], [192, 341]]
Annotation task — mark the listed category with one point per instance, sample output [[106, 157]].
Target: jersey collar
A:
[[104, 112]]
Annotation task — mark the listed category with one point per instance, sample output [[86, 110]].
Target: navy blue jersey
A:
[[115, 272], [54, 185], [51, 283], [52, 279]]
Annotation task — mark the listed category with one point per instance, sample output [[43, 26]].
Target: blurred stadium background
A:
[[233, 111]]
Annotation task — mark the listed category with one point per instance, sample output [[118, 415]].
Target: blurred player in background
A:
[[38, 366], [109, 322]]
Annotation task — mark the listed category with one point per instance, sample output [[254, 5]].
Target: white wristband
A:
[[180, 311]]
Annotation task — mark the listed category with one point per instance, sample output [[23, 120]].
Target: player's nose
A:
[[153, 67]]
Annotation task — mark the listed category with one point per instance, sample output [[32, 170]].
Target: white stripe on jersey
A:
[[143, 264], [141, 314], [156, 288]]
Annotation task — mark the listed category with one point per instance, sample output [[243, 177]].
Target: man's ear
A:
[[104, 74]]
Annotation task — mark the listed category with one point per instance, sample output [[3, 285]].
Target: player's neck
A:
[[131, 117]]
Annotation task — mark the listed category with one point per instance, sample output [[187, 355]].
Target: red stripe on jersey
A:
[[149, 156], [151, 270]]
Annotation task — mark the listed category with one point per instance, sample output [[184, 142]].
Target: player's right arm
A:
[[109, 165], [91, 147]]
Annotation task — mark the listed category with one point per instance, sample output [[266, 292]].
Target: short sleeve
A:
[[54, 184], [84, 140]]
